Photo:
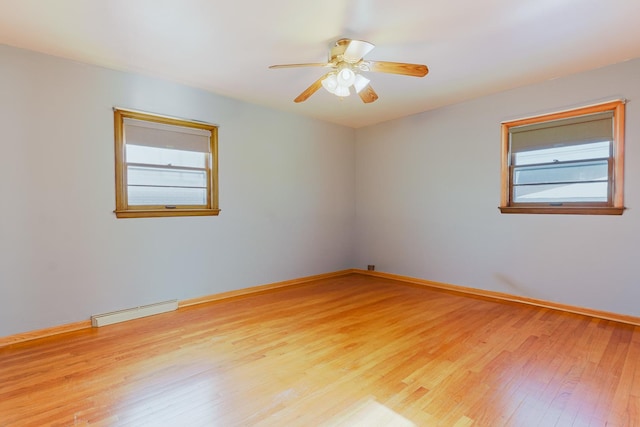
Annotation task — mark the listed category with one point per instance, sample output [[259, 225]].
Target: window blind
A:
[[160, 135], [564, 132]]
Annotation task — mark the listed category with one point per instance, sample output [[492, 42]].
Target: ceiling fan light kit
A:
[[346, 61], [339, 83]]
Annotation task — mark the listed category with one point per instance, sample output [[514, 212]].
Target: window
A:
[[569, 162], [164, 166]]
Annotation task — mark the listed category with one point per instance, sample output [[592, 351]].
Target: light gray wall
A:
[[428, 188], [416, 196], [286, 194]]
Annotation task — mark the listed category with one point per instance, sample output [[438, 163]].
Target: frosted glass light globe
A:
[[330, 83], [346, 77]]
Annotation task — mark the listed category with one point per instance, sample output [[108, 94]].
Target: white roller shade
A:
[[557, 133], [160, 135]]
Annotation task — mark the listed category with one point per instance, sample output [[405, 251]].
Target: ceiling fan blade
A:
[[356, 50], [415, 70], [310, 90], [311, 64], [368, 94]]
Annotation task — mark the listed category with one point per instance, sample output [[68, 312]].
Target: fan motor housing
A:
[[338, 50]]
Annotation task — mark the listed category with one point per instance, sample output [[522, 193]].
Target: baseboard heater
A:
[[133, 313]]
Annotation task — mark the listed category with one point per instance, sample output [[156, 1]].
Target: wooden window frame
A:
[[123, 209], [615, 205]]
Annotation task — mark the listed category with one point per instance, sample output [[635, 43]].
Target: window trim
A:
[[616, 180], [123, 210]]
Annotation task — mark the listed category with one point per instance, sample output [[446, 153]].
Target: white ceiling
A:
[[471, 47]]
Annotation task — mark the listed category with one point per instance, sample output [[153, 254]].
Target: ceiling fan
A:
[[346, 60]]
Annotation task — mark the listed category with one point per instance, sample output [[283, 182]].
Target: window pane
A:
[[565, 162], [166, 196], [165, 156], [562, 173], [558, 193], [139, 175], [596, 150], [164, 166]]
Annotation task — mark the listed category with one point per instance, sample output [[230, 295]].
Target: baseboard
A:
[[44, 333], [623, 318], [254, 290], [86, 324]]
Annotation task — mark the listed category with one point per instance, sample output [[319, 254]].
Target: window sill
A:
[[154, 213], [567, 210]]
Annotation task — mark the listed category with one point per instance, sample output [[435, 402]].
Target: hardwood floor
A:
[[352, 350]]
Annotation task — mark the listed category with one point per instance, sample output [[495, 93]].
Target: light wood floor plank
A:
[[341, 351]]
